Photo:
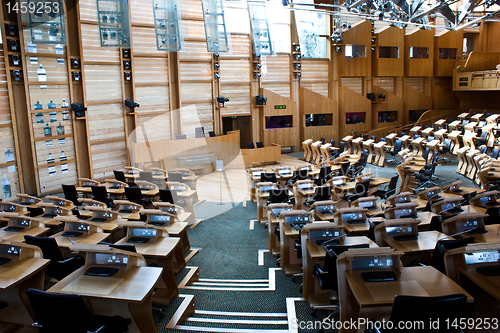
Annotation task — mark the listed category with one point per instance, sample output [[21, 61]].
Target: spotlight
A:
[[373, 49], [131, 104], [126, 53], [15, 60], [11, 29], [298, 66], [126, 64], [216, 56], [53, 30], [297, 75], [76, 76], [217, 76], [16, 74], [338, 48], [257, 66], [257, 75], [128, 76], [216, 66], [75, 63]]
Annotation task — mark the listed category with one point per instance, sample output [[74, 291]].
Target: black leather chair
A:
[[59, 267], [120, 176], [360, 191], [134, 194], [71, 194], [358, 167], [146, 176], [445, 148], [277, 196], [444, 245], [61, 313], [260, 144], [268, 177], [99, 193], [398, 144], [211, 134], [174, 177], [388, 190], [297, 175], [482, 139], [250, 145], [340, 151], [494, 153], [424, 309], [167, 195], [321, 193]]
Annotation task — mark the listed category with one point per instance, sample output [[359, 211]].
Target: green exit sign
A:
[[279, 107]]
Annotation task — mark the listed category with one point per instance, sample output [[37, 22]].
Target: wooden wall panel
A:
[[92, 50], [105, 122], [285, 137], [51, 182], [196, 91], [239, 98], [360, 34], [144, 42], [152, 98], [191, 9], [153, 127], [388, 36], [88, 10], [391, 103], [45, 94], [276, 74], [414, 100], [103, 82], [353, 83], [141, 12], [315, 75], [194, 51], [150, 70], [350, 101], [312, 102], [419, 38], [196, 115], [386, 83], [449, 39], [3, 71], [5, 117], [56, 68], [193, 30], [234, 71], [416, 83], [107, 157]]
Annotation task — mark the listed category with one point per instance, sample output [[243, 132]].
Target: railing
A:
[[482, 61]]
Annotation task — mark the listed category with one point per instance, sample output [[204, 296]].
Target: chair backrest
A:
[[300, 174], [331, 261], [430, 138], [260, 144], [133, 194], [48, 245], [416, 136], [397, 145], [199, 132], [99, 193], [322, 140], [373, 137], [447, 144], [483, 149], [147, 176], [211, 134], [341, 146], [58, 313], [408, 309], [166, 196], [443, 245], [325, 171], [425, 154], [361, 188], [343, 168], [332, 142], [484, 135], [120, 175], [250, 145], [393, 183], [323, 193], [403, 133], [364, 154], [494, 153], [268, 177], [174, 177], [278, 196], [382, 139], [70, 193]]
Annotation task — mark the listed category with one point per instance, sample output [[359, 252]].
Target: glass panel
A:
[[388, 52], [355, 51], [279, 121], [419, 52], [310, 26], [167, 17], [355, 117], [46, 21], [114, 29], [215, 26], [319, 119], [446, 53], [388, 116], [260, 29], [415, 114]]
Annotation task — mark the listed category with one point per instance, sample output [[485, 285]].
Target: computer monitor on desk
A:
[[296, 218], [27, 200], [376, 264], [8, 253], [398, 229], [366, 203], [485, 200], [158, 217], [402, 211], [352, 215], [19, 223], [100, 214], [305, 185], [324, 209], [399, 198], [479, 262], [447, 207], [431, 193], [265, 189], [470, 223], [11, 207], [277, 209]]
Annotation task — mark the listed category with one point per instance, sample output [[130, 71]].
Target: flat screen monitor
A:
[[352, 216], [279, 122], [376, 262], [142, 232], [111, 259], [399, 230], [78, 227], [324, 233], [297, 219], [482, 257], [11, 250], [367, 204], [159, 218], [466, 225]]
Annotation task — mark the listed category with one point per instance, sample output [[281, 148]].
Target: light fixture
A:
[[76, 76], [78, 109], [258, 66], [298, 66], [17, 75], [338, 48], [131, 105], [217, 76], [75, 63], [373, 49], [221, 100], [297, 75], [11, 30], [128, 76], [216, 56], [257, 75], [126, 64]]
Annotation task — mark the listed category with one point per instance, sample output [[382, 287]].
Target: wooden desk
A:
[[18, 236], [315, 254], [16, 277], [492, 236], [92, 238], [425, 243], [161, 253], [128, 294], [375, 299]]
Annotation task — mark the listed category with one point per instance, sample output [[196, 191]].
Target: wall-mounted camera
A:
[[128, 76], [17, 75], [76, 76], [11, 30], [126, 53], [126, 64], [75, 63], [15, 60], [13, 45], [78, 109]]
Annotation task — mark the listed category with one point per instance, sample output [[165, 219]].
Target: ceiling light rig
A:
[[402, 13]]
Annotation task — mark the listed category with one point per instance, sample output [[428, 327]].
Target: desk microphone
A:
[[328, 241], [459, 233], [447, 209], [64, 234]]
